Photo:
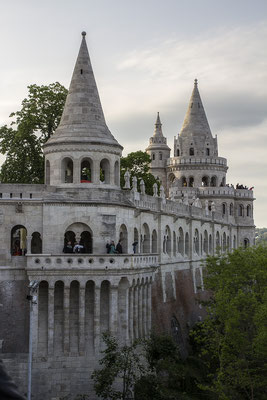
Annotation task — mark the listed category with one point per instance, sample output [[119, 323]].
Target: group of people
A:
[[112, 249], [76, 248], [243, 187]]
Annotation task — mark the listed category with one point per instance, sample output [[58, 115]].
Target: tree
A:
[[138, 164], [232, 341], [36, 121], [121, 368]]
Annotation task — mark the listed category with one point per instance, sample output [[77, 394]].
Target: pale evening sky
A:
[[146, 55]]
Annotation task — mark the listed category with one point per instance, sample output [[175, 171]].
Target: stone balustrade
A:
[[206, 160], [91, 261]]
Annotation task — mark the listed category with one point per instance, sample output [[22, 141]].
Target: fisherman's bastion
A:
[[81, 295]]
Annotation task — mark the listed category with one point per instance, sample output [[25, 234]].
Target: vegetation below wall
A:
[[227, 352], [261, 235]]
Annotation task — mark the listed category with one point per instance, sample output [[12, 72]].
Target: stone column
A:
[[51, 320], [135, 312], [28, 243], [131, 314], [81, 319], [144, 309], [76, 171], [113, 310], [66, 306], [97, 318], [149, 308], [126, 319], [96, 172], [140, 315]]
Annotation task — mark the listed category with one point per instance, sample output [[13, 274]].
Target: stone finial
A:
[[142, 187], [83, 34], [155, 190], [207, 207], [134, 181], [127, 177], [213, 208], [162, 192], [195, 82]]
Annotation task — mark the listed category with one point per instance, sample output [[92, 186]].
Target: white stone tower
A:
[[196, 162], [159, 152], [82, 151]]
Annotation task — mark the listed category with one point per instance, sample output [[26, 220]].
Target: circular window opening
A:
[[90, 260], [48, 260], [69, 260], [37, 261], [58, 261], [101, 260], [126, 261], [111, 261], [80, 260]]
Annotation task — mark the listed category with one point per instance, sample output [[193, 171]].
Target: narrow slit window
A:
[[81, 71]]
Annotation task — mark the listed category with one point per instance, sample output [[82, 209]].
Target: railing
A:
[[91, 261], [194, 160]]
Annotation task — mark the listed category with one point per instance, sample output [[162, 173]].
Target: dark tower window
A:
[[207, 151], [191, 182], [81, 71], [153, 156], [177, 152], [191, 151], [160, 156]]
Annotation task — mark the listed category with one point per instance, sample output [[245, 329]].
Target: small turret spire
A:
[[195, 122], [158, 127]]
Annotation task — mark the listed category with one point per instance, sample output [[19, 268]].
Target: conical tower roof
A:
[[83, 118], [158, 127], [195, 122]]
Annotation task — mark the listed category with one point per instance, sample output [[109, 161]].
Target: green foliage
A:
[[261, 235], [138, 165], [36, 121], [120, 369], [232, 341]]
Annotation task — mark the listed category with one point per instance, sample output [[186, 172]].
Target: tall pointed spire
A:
[[158, 129], [195, 122], [83, 118]]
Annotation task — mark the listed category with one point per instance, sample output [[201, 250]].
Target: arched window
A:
[[174, 243], [181, 242], [191, 181], [234, 242], [207, 151], [86, 170], [196, 242], [246, 243], [117, 173], [177, 152], [160, 156], [67, 170], [136, 241], [224, 208], [69, 240], [104, 306], [168, 240], [224, 242], [241, 210], [231, 209], [186, 247], [191, 151], [217, 241], [205, 181], [184, 181], [228, 243], [213, 181], [124, 238], [171, 178], [210, 244], [146, 239], [18, 240], [248, 210], [36, 243], [47, 172], [104, 171], [154, 241], [87, 242], [206, 244]]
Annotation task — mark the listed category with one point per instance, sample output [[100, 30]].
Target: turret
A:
[[196, 162], [159, 152], [82, 150]]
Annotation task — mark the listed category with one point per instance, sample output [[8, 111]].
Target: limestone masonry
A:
[[81, 295]]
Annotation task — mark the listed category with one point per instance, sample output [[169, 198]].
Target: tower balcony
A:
[[177, 161]]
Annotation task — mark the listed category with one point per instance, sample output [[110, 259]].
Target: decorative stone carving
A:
[[127, 177], [142, 187], [155, 190]]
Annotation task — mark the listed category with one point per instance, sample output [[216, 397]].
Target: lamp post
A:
[[32, 298]]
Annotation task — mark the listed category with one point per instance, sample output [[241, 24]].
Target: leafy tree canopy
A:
[[31, 127], [138, 165], [233, 338]]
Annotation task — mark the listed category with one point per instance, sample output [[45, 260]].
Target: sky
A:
[[146, 55]]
